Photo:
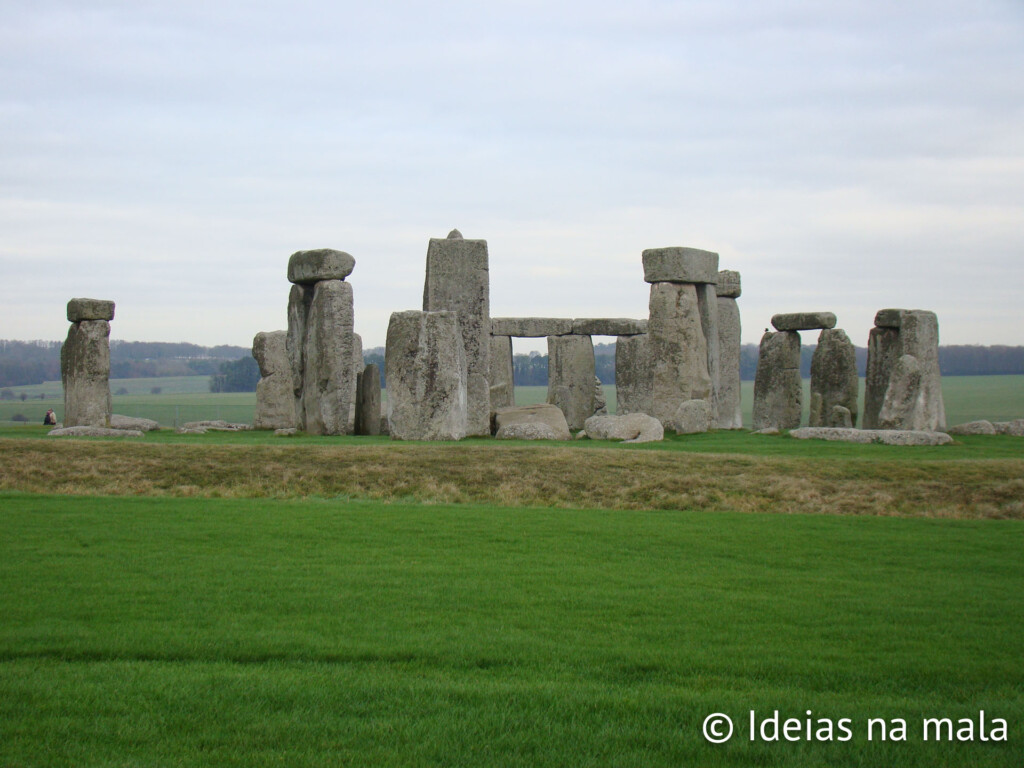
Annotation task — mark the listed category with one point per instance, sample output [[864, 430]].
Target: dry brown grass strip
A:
[[553, 476]]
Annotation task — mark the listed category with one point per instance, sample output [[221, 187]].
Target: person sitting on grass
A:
[[50, 419]]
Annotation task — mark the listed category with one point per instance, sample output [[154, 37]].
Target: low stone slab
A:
[[885, 436], [286, 432], [541, 413], [307, 267], [608, 326], [1013, 428], [630, 428], [93, 432], [531, 327], [691, 417], [130, 422], [90, 309], [728, 285], [680, 265], [214, 425], [526, 431], [804, 321], [980, 427]]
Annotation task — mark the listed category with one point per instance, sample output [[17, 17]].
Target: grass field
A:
[[252, 632], [186, 398]]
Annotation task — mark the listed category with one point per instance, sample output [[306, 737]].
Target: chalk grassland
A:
[[185, 398], [979, 477], [206, 632]]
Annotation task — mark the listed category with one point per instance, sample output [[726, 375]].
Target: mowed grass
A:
[[254, 632]]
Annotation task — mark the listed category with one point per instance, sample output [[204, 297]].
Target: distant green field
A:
[[187, 398]]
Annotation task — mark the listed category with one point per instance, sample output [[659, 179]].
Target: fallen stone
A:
[[425, 368], [630, 428], [691, 417], [275, 396], [680, 265], [85, 374], [678, 349], [289, 432], [614, 326], [542, 413], [571, 377], [633, 371], [980, 427], [729, 285], [885, 436], [526, 431], [84, 431], [778, 390], [834, 380], [212, 425], [767, 431], [133, 423], [90, 309], [803, 321], [531, 327], [1013, 428], [308, 267]]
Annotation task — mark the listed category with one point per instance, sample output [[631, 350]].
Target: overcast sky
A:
[[841, 155]]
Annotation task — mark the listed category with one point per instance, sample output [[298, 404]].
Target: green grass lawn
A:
[[213, 632]]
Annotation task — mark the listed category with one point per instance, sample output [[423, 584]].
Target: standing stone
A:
[[730, 412], [834, 380], [299, 299], [275, 399], [902, 394], [357, 370], [919, 336], [368, 401], [778, 392], [426, 375], [633, 371], [458, 280], [85, 365], [501, 377], [571, 377], [328, 376], [691, 417], [707, 303], [600, 402], [678, 349], [883, 352]]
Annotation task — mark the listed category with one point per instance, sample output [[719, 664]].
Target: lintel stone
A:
[[804, 321], [889, 318], [728, 285], [680, 265], [306, 267], [531, 327], [90, 309], [613, 326]]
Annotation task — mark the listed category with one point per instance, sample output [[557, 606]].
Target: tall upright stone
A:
[[834, 380], [730, 411], [299, 299], [707, 303], [275, 399], [357, 369], [328, 384], [571, 377], [425, 366], [633, 375], [903, 393], [778, 392], [368, 401], [678, 349], [501, 378], [458, 280], [85, 363]]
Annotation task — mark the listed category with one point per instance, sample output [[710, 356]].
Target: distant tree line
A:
[[240, 375]]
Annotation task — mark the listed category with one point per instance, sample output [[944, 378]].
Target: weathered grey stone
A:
[[803, 321], [308, 267], [633, 371], [501, 376], [778, 392], [1013, 428], [730, 411], [980, 427], [631, 428], [458, 280], [455, 235], [729, 285], [883, 352], [299, 300], [902, 394], [357, 369], [531, 327], [889, 318], [766, 431], [600, 402], [678, 349], [85, 374], [541, 413], [680, 265], [885, 436], [368, 401], [691, 417], [840, 417], [134, 423], [328, 375], [526, 431], [426, 376], [212, 425], [919, 336], [86, 431], [289, 432], [611, 326], [90, 309], [275, 398], [571, 377], [707, 303], [834, 379]]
